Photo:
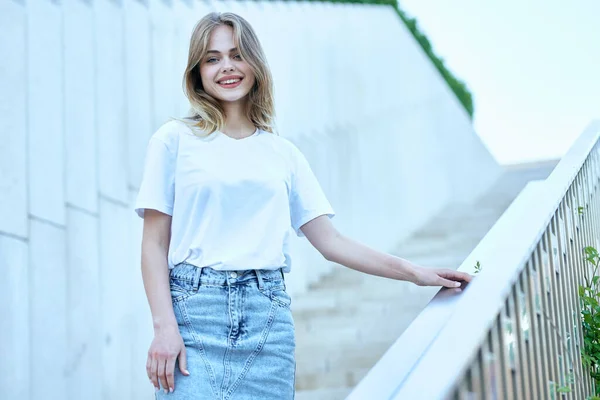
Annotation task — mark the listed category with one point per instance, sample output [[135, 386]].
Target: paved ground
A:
[[347, 320]]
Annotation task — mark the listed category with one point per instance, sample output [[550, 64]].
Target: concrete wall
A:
[[83, 86]]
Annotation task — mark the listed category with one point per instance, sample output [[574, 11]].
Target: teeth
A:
[[227, 82]]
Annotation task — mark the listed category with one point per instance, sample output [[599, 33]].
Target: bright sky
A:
[[533, 67]]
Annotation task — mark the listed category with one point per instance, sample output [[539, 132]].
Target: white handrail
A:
[[430, 356]]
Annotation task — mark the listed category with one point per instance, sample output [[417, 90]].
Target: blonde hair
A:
[[206, 112]]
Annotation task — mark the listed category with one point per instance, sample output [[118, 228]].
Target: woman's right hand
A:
[[165, 348]]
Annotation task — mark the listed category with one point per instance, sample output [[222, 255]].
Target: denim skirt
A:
[[238, 331]]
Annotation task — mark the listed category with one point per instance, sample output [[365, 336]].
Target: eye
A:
[[211, 60], [238, 56]]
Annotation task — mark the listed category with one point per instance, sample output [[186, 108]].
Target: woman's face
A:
[[224, 74]]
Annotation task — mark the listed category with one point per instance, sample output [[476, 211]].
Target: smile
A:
[[230, 83]]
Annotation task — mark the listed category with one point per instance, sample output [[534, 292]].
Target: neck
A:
[[237, 124]]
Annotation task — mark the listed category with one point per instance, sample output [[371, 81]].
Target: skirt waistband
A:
[[197, 276]]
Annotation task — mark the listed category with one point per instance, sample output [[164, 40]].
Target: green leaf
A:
[[592, 301], [589, 297]]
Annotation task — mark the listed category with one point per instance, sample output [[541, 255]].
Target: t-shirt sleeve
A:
[[157, 190], [307, 199]]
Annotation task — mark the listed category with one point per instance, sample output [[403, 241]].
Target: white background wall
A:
[[84, 85]]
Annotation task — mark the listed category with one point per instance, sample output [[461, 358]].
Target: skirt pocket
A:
[[278, 294], [180, 290]]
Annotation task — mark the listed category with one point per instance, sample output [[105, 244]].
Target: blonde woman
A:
[[220, 195]]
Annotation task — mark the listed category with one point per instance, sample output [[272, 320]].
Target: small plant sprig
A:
[[589, 296], [566, 388], [477, 267]]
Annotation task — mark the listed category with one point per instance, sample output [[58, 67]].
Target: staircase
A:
[[347, 320]]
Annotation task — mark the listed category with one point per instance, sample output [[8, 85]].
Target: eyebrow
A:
[[218, 52]]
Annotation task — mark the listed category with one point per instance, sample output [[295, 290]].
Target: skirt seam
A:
[[256, 352], [188, 324]]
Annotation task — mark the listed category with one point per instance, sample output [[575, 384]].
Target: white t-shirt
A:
[[233, 202]]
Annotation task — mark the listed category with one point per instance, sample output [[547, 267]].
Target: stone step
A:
[[326, 339], [452, 261], [343, 376], [369, 289], [376, 301], [362, 355], [424, 245], [368, 283], [341, 276], [323, 394], [350, 342], [448, 225], [377, 309]]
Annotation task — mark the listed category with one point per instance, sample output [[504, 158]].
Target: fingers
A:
[[463, 276], [169, 374], [153, 372], [448, 283], [148, 367], [455, 275], [161, 371], [183, 361], [162, 374]]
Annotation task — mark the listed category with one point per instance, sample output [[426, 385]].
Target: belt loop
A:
[[259, 276], [196, 282]]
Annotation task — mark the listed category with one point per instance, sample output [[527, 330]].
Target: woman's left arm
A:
[[342, 250]]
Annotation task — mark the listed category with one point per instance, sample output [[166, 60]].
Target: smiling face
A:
[[224, 74]]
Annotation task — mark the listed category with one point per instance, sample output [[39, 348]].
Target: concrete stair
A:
[[323, 394], [347, 320]]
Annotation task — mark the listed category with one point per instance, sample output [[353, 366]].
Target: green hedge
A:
[[458, 87]]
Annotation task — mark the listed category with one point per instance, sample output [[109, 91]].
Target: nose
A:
[[228, 66]]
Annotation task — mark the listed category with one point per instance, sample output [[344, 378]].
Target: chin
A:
[[231, 97]]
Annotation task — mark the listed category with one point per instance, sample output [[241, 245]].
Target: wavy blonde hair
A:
[[206, 112]]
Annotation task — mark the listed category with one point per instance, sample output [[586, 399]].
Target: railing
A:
[[516, 331]]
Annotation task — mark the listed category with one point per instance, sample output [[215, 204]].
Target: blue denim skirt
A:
[[238, 331]]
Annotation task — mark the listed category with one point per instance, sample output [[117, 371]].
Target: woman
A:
[[219, 194]]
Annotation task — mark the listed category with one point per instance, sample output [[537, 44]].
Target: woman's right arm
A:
[[167, 344]]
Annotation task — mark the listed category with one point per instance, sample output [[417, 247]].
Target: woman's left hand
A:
[[439, 277]]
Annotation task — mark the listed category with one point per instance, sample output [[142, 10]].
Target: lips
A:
[[230, 83], [229, 78]]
